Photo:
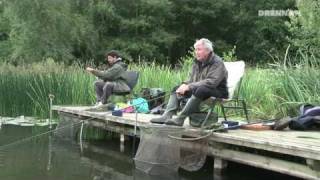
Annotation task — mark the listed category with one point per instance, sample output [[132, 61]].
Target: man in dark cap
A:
[[111, 80]]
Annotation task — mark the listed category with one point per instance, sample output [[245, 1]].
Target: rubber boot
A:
[[191, 106], [171, 109]]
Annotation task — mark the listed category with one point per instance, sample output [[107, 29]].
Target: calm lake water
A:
[[48, 157]]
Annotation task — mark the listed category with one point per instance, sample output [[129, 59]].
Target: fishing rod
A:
[[134, 106], [51, 97], [41, 134], [128, 106], [221, 129]]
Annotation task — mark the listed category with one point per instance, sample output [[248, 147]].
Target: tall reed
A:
[[161, 76], [25, 89], [279, 91], [269, 92]]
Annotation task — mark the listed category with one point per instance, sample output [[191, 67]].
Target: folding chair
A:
[[132, 78], [235, 74]]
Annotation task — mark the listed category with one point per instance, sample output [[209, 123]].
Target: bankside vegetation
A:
[[44, 46]]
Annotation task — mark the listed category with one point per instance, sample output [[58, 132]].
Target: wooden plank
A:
[[274, 136], [113, 128], [265, 145], [236, 138], [127, 118], [282, 142], [107, 125], [290, 136], [313, 164], [307, 137], [273, 164], [312, 146]]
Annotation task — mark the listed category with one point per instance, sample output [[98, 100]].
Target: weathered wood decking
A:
[[290, 152]]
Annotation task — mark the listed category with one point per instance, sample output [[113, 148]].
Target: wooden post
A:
[[219, 166], [314, 164], [122, 138]]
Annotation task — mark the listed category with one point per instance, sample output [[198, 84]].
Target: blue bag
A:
[[140, 105]]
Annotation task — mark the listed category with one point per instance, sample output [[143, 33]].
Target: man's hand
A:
[[89, 69], [182, 89]]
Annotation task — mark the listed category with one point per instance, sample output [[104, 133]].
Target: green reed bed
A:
[[25, 89], [269, 92], [274, 93], [155, 76]]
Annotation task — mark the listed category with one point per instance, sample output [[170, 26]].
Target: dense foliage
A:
[[305, 29], [42, 36], [160, 30]]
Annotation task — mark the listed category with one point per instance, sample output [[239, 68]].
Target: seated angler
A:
[[111, 80], [208, 78]]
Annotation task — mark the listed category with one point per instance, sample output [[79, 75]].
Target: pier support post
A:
[[122, 139], [219, 166], [313, 164]]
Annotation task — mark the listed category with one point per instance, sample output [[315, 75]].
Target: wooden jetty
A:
[[295, 153]]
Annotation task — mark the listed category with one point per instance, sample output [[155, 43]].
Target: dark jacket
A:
[[116, 73], [210, 73]]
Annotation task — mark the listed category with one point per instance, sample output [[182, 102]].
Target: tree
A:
[[203, 18], [258, 37], [232, 23], [306, 28], [138, 28], [4, 33], [46, 28], [160, 30]]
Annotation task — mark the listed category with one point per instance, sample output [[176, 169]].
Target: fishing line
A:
[[63, 127], [82, 121], [210, 132], [133, 105], [39, 135]]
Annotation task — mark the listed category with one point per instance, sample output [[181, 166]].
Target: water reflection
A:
[[50, 157]]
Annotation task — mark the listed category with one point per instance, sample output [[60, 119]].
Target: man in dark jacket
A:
[[111, 80], [207, 78]]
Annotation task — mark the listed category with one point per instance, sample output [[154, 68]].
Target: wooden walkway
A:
[[290, 152]]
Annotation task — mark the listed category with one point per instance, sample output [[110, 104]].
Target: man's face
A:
[[202, 52], [111, 59]]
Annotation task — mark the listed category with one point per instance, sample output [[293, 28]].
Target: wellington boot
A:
[[171, 109], [191, 106]]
